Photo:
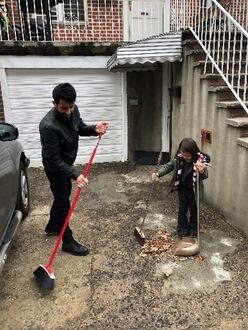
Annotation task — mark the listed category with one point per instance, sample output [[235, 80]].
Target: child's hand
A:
[[155, 177], [200, 167]]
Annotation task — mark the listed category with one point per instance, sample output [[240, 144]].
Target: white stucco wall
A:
[[226, 187]]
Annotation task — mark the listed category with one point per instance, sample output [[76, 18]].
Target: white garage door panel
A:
[[31, 141], [112, 115], [82, 91], [99, 97]]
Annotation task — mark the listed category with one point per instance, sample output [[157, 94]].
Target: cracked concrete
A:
[[205, 276], [114, 287]]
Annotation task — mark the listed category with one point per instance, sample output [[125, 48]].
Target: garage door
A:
[[99, 97]]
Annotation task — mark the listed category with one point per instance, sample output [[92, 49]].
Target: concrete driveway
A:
[[115, 287]]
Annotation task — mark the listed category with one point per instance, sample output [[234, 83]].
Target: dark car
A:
[[14, 190]]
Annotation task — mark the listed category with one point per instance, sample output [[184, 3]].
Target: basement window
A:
[[69, 12]]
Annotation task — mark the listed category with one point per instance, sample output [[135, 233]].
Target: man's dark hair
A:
[[64, 91]]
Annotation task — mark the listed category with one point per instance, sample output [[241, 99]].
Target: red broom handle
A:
[[73, 203]]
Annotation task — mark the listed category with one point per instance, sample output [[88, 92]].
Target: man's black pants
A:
[[187, 203], [61, 189]]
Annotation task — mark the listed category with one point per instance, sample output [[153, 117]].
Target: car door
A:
[[7, 198]]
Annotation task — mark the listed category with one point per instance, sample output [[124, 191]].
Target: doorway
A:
[[145, 117], [144, 18]]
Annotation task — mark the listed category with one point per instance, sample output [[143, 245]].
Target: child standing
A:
[[187, 161]]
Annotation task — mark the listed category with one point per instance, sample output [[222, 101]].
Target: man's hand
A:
[[82, 181], [200, 167], [155, 177], [101, 127]]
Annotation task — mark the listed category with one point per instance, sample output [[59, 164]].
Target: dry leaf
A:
[[142, 254], [199, 258], [161, 232], [164, 236], [156, 246]]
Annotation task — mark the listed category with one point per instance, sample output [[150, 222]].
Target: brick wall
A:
[[239, 10], [13, 10], [104, 22], [104, 19], [1, 106]]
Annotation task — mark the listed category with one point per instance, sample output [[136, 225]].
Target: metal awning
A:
[[145, 54]]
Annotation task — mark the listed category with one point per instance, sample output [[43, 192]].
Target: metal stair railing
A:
[[223, 39]]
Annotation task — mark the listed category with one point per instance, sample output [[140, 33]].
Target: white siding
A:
[[100, 96]]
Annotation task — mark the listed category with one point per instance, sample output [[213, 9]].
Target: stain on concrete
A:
[[155, 221], [108, 192], [132, 178], [114, 287], [202, 275]]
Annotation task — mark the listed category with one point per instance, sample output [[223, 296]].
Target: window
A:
[[70, 11]]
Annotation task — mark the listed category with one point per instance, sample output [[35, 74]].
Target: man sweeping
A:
[[59, 132]]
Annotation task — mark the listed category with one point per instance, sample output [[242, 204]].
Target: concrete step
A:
[[237, 121], [187, 35], [200, 50], [229, 104], [225, 93], [236, 68], [224, 88], [194, 44], [243, 141], [240, 123], [199, 54], [233, 108], [215, 79]]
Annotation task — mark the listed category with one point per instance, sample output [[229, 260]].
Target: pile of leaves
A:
[[161, 243]]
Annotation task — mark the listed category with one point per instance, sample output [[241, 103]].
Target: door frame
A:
[[166, 82], [126, 25]]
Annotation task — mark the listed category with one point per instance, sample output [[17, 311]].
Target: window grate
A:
[[71, 11]]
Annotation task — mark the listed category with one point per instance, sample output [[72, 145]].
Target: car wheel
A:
[[23, 202]]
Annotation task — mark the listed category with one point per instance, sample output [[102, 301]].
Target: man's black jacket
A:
[[59, 140]]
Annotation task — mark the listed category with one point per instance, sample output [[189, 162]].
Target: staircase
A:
[[207, 104], [236, 116], [213, 107], [216, 38]]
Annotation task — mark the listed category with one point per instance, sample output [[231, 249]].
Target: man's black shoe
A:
[[182, 234], [75, 248], [193, 233]]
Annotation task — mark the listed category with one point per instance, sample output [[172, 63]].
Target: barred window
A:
[[69, 11]]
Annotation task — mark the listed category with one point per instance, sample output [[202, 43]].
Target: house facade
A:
[[156, 70], [56, 42], [46, 42]]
